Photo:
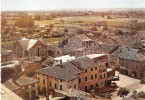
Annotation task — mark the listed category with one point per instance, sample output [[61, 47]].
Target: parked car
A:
[[116, 78], [113, 84]]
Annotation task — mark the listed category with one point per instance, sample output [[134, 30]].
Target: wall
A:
[[43, 49], [65, 85], [89, 80]]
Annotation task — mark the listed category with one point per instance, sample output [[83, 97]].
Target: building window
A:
[[44, 81], [91, 87], [86, 71], [96, 84], [91, 69], [104, 75], [60, 87], [100, 76], [55, 85], [79, 80], [60, 80], [106, 64], [95, 68], [86, 78], [91, 77], [75, 86], [50, 84], [95, 75], [38, 79], [103, 70]]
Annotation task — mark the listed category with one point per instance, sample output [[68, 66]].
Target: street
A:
[[128, 82]]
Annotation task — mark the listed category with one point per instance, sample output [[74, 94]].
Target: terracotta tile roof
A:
[[65, 71], [11, 85], [84, 62], [83, 37], [22, 81], [108, 48]]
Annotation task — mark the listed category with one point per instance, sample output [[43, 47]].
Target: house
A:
[[30, 47], [60, 77], [78, 41], [54, 51], [89, 78], [129, 60], [41, 27], [25, 87], [94, 75], [104, 67]]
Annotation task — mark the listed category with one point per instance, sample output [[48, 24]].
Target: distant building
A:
[[41, 27], [78, 41], [30, 47]]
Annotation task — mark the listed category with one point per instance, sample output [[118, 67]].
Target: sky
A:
[[69, 4]]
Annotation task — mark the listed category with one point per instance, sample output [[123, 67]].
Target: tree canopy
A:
[[123, 91], [3, 21], [25, 21]]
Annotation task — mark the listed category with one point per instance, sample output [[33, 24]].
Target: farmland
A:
[[72, 23]]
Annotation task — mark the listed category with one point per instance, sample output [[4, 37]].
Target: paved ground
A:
[[129, 83]]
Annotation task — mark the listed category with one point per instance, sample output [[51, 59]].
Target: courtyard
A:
[[130, 83]]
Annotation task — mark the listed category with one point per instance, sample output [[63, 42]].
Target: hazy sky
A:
[[62, 4]]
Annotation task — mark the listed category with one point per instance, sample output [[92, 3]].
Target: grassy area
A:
[[51, 41]]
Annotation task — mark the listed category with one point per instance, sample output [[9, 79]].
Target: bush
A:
[[141, 94], [107, 95], [123, 92]]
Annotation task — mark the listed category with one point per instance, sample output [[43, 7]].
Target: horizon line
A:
[[74, 9]]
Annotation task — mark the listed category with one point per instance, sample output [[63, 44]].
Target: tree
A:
[[65, 30], [80, 31], [3, 21], [105, 28], [123, 92], [141, 94], [118, 32], [107, 95], [37, 17], [94, 28], [25, 21]]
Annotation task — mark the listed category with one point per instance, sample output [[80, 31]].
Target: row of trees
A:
[[25, 21]]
